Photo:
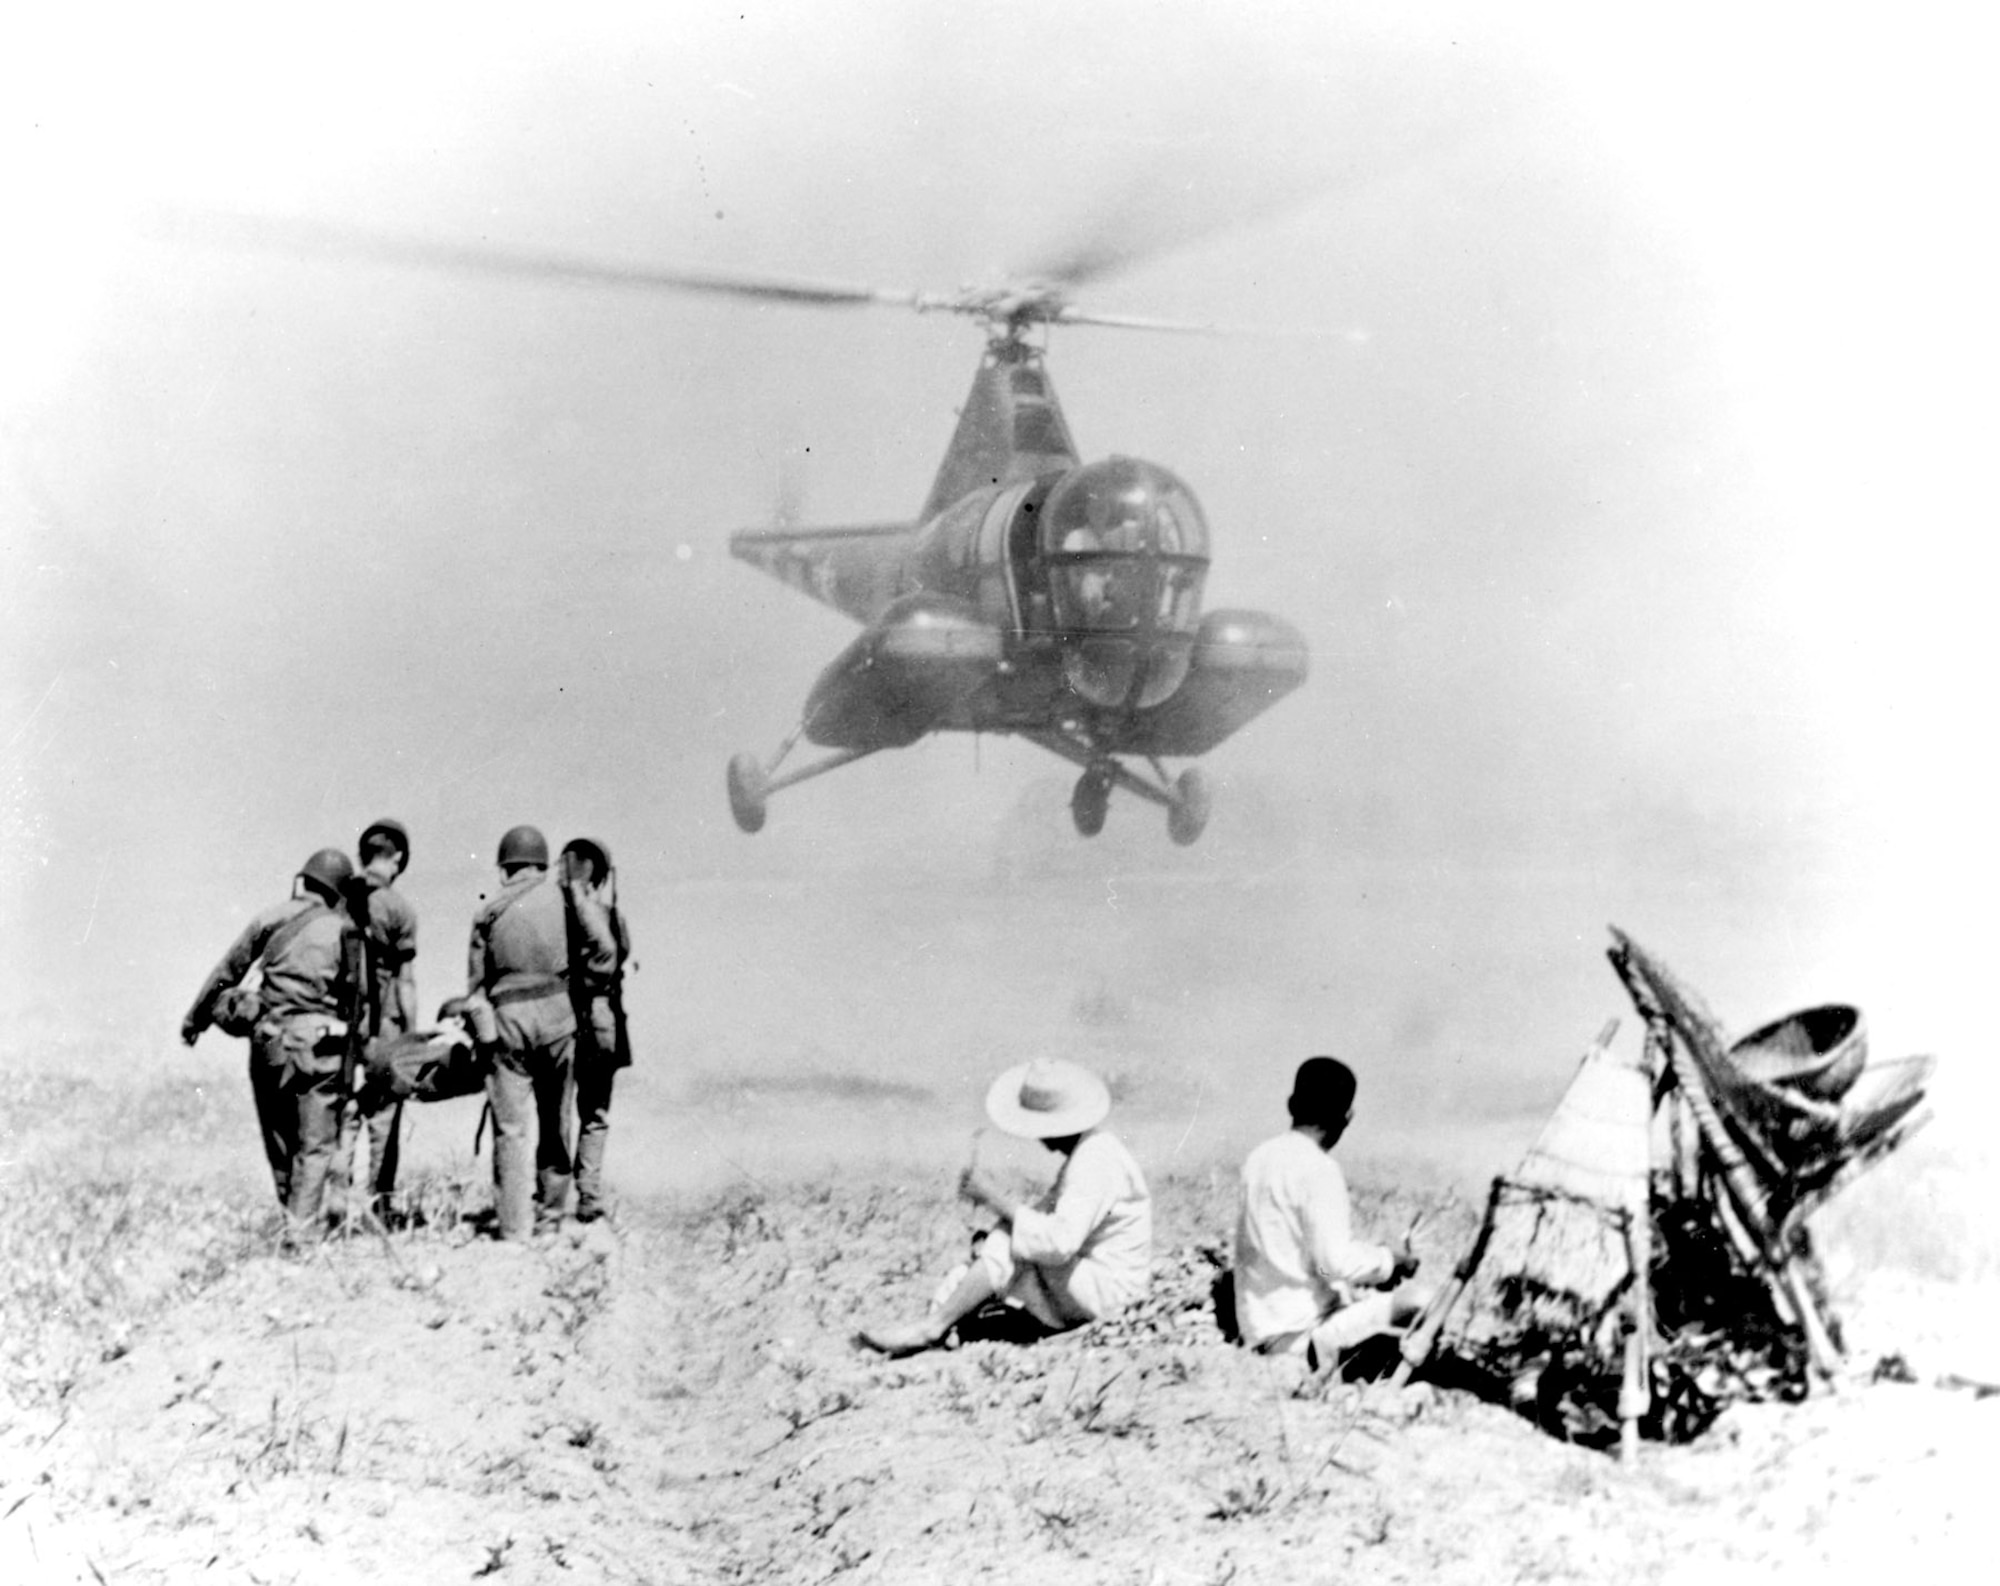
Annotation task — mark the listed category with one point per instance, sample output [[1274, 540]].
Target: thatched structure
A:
[[1649, 1260]]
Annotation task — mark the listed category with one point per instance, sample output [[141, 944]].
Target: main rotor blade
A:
[[1035, 304], [1152, 217], [1077, 316], [1066, 315], [330, 241]]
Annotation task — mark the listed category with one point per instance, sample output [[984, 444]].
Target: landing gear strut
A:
[[751, 782], [1090, 802], [1185, 798]]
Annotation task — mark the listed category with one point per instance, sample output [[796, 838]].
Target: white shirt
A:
[[1297, 1259], [1092, 1234]]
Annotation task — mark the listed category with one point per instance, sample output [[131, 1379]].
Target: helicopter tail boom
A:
[[855, 570]]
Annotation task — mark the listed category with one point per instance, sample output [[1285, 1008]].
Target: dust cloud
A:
[[1635, 591]]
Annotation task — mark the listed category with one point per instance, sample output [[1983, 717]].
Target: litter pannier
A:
[[422, 1066]]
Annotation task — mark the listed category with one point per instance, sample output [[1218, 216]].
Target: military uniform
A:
[[295, 1048], [598, 953], [391, 946], [519, 960]]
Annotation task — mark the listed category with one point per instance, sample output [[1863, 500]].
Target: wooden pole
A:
[[1693, 1046], [1635, 1388], [1422, 1339]]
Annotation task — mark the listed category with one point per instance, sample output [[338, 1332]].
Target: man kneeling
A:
[[1084, 1253], [1304, 1283]]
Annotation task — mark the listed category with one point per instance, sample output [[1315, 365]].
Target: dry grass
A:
[[91, 1251], [678, 1398]]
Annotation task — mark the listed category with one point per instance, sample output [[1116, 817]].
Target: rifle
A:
[[615, 994], [582, 992], [358, 1003]]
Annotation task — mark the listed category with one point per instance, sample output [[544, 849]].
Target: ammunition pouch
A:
[[311, 1047], [237, 1011], [477, 1014]]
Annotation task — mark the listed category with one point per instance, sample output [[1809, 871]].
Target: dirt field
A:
[[676, 1397], [1618, 479]]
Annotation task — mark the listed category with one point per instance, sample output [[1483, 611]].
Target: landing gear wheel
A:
[[1187, 816], [1087, 805], [747, 784]]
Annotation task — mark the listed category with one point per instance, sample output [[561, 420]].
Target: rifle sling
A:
[[283, 935]]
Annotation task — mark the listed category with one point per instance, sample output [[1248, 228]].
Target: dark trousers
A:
[[384, 1129], [594, 1077], [596, 1071], [295, 1082]]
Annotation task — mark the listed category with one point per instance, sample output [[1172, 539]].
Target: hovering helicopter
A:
[[1034, 593]]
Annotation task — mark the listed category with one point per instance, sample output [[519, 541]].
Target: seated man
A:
[[1304, 1283], [1084, 1252]]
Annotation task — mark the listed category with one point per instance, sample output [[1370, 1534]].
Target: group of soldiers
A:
[[334, 999]]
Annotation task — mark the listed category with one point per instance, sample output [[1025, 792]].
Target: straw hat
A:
[[1047, 1099]]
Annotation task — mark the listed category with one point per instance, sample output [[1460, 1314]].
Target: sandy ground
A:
[[677, 1397]]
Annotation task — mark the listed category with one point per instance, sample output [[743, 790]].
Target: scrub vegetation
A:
[[678, 1398]]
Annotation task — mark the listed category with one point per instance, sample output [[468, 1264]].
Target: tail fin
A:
[[1011, 428], [857, 570]]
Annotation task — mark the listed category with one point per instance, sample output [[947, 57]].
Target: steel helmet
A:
[[592, 852], [330, 870], [523, 845], [394, 830]]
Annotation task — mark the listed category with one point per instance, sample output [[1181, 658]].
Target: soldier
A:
[[590, 889], [300, 1033], [519, 961], [391, 936]]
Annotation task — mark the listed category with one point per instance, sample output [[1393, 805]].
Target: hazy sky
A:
[[1639, 520]]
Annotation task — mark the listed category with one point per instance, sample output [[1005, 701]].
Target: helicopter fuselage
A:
[[1036, 594], [1071, 599], [1033, 593]]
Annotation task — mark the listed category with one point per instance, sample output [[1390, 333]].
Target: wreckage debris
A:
[[1649, 1261]]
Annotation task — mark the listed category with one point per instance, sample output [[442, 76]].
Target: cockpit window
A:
[[1124, 505], [1106, 592], [1125, 547], [1124, 550], [1180, 596]]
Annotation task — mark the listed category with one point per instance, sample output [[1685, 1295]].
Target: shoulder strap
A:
[[283, 935], [619, 935], [573, 953]]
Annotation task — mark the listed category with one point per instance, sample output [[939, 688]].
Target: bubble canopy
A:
[[1123, 505], [1126, 547]]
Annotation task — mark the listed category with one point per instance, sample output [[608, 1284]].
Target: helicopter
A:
[[1034, 594]]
